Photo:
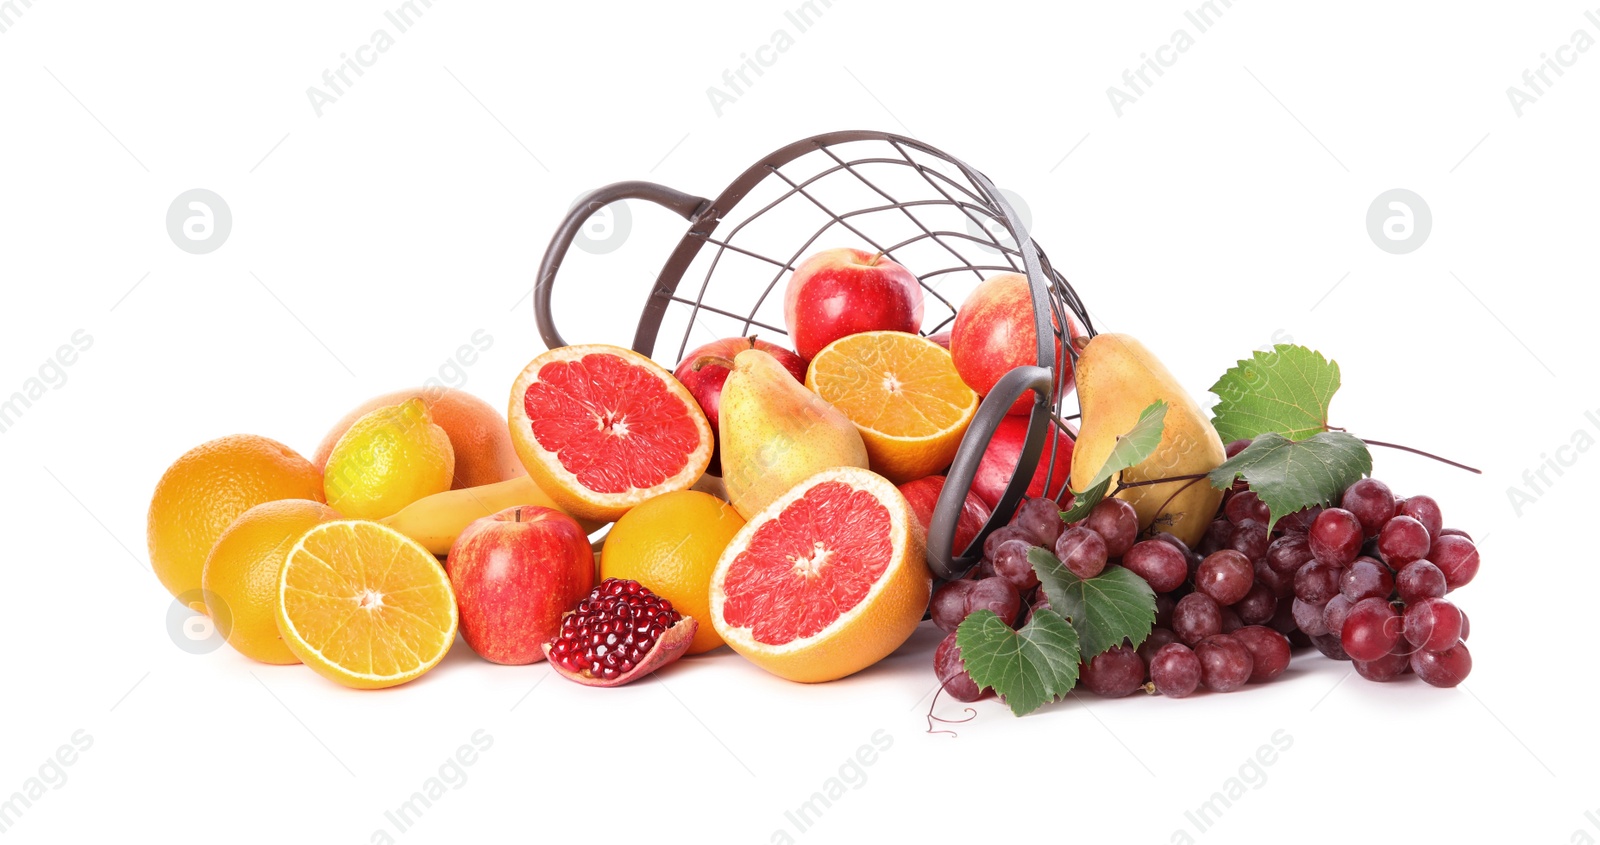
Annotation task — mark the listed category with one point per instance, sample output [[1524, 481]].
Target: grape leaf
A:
[[1131, 450], [1290, 476], [1106, 609], [1026, 667], [1084, 502], [1286, 391]]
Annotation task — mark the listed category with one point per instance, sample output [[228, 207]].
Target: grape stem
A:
[[971, 714], [1422, 453], [1123, 485]]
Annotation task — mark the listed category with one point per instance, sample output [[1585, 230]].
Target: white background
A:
[[1223, 210]]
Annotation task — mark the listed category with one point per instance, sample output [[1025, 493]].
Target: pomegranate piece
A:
[[619, 633]]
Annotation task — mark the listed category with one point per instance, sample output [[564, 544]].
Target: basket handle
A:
[[687, 206], [947, 511]]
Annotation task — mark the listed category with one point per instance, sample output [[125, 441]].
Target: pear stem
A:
[[710, 361]]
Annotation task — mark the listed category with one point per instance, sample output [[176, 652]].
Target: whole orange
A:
[[205, 490], [671, 544], [240, 579], [478, 433]]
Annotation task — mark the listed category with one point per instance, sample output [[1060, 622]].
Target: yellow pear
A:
[[1117, 378], [775, 433]]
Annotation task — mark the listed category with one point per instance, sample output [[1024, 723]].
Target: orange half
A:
[[365, 605], [904, 395]]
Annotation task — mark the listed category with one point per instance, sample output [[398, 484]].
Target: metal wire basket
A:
[[922, 207]]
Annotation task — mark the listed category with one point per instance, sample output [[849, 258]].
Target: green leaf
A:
[[1286, 391], [1290, 476], [1084, 502], [1106, 609], [1026, 668], [1132, 448]]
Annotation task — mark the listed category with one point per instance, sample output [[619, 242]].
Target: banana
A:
[[435, 521]]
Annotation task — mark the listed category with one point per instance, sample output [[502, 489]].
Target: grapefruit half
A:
[[601, 428], [826, 581]]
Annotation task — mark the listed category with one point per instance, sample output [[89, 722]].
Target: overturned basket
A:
[[922, 207]]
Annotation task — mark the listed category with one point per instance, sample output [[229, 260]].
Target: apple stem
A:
[[713, 361], [1422, 453], [875, 259]]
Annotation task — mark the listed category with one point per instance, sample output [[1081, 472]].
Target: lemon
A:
[[388, 459]]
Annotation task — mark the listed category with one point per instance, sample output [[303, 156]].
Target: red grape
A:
[[1300, 521], [1175, 671], [1372, 502], [1316, 582], [1329, 645], [1334, 614], [1433, 624], [1387, 667], [1082, 550], [952, 673], [1424, 510], [1403, 540], [1195, 617], [1153, 642], [1309, 618], [1258, 606], [1225, 663], [1371, 629], [1246, 505], [1114, 673], [1280, 583], [1039, 519], [1420, 580], [1457, 558], [1011, 563], [1009, 532], [1269, 651], [1225, 576], [1218, 534], [1117, 523], [1288, 553], [1160, 564], [1250, 539], [1366, 578], [1335, 537], [1443, 668], [996, 594], [949, 605]]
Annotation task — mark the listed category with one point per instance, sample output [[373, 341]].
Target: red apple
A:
[[841, 292], [994, 332], [705, 384], [514, 574], [923, 494], [942, 338], [999, 459]]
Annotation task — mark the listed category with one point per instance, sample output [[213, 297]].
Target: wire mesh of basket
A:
[[927, 210]]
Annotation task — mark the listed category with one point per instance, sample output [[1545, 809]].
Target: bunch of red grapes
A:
[[1363, 582]]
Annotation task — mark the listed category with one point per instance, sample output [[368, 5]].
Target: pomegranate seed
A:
[[613, 629]]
